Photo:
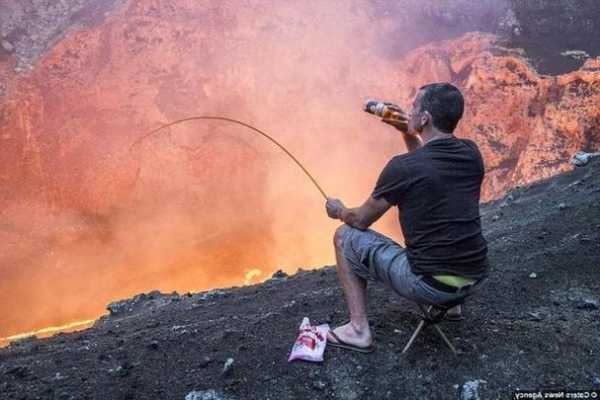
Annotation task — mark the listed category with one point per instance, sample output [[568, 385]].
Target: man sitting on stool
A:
[[436, 187]]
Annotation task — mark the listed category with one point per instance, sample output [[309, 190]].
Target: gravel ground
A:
[[534, 324]]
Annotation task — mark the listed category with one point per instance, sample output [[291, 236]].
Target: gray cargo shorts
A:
[[374, 256]]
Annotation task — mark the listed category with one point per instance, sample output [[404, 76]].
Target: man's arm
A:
[[360, 217]]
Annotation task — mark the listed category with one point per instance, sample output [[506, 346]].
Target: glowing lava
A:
[[251, 275], [48, 331]]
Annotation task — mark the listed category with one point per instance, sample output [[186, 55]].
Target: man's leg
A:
[[357, 331]]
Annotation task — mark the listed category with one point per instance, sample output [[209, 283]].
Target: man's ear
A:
[[425, 119]]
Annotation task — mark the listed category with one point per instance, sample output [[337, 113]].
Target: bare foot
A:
[[350, 335]]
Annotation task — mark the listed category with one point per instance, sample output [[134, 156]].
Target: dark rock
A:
[[141, 301], [65, 396], [584, 239], [319, 385], [535, 316], [119, 371], [122, 370], [57, 377], [228, 333], [152, 324], [204, 361], [20, 371], [279, 275], [587, 304], [212, 294], [153, 345]]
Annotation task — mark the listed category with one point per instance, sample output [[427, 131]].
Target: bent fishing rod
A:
[[235, 121]]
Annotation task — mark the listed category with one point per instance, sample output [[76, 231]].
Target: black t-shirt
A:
[[437, 189]]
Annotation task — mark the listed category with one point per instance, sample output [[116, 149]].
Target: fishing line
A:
[[235, 121]]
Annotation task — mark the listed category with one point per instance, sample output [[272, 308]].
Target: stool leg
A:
[[437, 328], [414, 335]]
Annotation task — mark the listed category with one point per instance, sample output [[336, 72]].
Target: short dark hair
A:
[[445, 103]]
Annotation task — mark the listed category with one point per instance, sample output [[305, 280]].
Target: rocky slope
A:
[[533, 324], [555, 34], [207, 205]]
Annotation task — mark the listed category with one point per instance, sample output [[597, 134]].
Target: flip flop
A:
[[347, 346]]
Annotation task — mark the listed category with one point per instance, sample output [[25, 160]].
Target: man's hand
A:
[[334, 208], [402, 123], [412, 141], [360, 217]]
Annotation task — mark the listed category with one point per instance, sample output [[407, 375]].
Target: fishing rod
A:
[[235, 121]]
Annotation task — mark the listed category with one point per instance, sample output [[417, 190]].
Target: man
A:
[[436, 187]]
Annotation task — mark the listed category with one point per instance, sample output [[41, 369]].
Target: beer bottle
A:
[[385, 110]]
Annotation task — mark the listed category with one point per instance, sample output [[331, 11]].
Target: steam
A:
[[204, 205]]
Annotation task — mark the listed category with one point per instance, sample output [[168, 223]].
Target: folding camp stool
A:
[[432, 316]]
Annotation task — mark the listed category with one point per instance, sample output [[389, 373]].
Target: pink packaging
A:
[[311, 342]]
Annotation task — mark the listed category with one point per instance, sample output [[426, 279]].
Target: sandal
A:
[[339, 343]]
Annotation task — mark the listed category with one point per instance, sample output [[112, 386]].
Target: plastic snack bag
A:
[[311, 342]]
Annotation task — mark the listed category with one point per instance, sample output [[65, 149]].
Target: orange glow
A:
[[203, 205]]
